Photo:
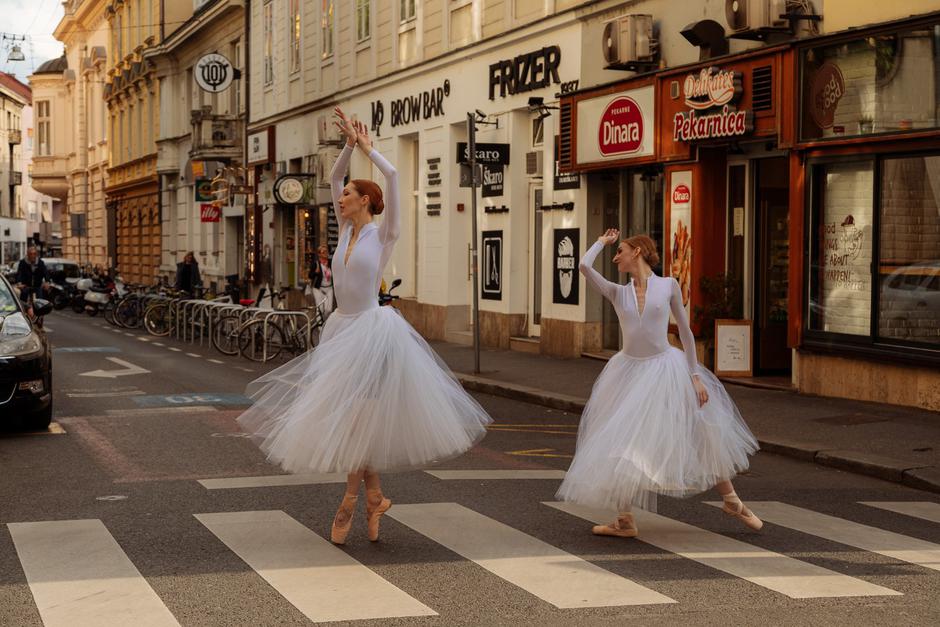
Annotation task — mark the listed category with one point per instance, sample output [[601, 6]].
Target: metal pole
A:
[[472, 145]]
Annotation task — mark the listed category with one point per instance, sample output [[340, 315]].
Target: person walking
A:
[[657, 422], [372, 396], [187, 275], [320, 280], [31, 274]]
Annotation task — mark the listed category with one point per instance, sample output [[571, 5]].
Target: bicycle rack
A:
[[283, 314]]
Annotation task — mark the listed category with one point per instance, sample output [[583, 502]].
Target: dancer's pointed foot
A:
[[342, 522], [623, 527], [376, 505], [734, 507]]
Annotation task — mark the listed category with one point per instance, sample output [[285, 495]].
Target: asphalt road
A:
[[121, 471]]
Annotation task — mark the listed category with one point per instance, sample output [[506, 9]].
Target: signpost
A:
[[474, 267]]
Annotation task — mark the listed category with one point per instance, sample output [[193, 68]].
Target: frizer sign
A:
[[214, 73]]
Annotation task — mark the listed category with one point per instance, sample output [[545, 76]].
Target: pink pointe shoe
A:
[[374, 512], [345, 514], [734, 507], [623, 527]]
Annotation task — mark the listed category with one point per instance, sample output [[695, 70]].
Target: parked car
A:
[[62, 271], [25, 362]]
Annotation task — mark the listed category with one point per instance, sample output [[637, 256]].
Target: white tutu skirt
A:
[[643, 433], [372, 395]]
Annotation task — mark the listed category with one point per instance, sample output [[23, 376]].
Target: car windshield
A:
[[8, 302], [68, 270]]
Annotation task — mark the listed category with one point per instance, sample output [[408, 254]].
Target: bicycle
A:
[[264, 339]]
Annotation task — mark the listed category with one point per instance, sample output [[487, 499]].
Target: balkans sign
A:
[[214, 73], [616, 126]]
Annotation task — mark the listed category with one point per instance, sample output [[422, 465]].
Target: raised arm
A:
[[685, 331], [391, 220], [336, 181], [597, 281]]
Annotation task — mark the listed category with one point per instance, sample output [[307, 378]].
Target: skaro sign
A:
[[214, 73]]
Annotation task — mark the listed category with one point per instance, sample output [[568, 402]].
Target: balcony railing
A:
[[15, 137], [216, 137]]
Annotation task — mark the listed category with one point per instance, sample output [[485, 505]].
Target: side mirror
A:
[[395, 283], [41, 307]]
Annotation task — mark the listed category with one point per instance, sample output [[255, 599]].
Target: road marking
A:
[[458, 475], [86, 349], [129, 369], [538, 452], [768, 569], [887, 543], [270, 481], [142, 338], [201, 398], [54, 429], [193, 355], [316, 577], [216, 361], [174, 349], [128, 334], [158, 344], [79, 575], [150, 411], [926, 510], [530, 430], [560, 578], [244, 369], [114, 394]]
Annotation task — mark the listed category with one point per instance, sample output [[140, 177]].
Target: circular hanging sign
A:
[[214, 73], [289, 190], [827, 90], [621, 127]]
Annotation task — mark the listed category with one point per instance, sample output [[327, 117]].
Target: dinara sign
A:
[[704, 93], [621, 129], [681, 195]]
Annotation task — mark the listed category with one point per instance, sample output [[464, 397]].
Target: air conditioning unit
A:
[[629, 39], [746, 15], [327, 132], [533, 162]]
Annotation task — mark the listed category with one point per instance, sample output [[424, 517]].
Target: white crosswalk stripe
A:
[[461, 475], [777, 572], [316, 577], [562, 579], [80, 576], [873, 539], [925, 510], [269, 481]]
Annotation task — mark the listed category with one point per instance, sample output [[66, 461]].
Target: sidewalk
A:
[[890, 442]]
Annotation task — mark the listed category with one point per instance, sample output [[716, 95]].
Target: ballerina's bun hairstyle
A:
[[368, 188], [647, 248]]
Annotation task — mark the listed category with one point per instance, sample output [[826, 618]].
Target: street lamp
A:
[[16, 54]]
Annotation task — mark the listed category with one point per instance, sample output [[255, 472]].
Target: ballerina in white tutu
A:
[[372, 396], [657, 422]]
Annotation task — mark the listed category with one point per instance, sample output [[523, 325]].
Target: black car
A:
[[25, 363]]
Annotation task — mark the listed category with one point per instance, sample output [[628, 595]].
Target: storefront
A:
[[869, 136]]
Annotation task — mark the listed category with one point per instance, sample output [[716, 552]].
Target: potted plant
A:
[[721, 294]]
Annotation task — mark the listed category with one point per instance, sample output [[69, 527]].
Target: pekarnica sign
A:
[[710, 96], [621, 127]]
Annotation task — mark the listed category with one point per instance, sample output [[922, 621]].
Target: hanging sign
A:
[[828, 89], [492, 180], [208, 212], [704, 93], [203, 190], [214, 73], [565, 266], [492, 266], [495, 154]]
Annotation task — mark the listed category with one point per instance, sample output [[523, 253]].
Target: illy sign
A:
[[621, 127]]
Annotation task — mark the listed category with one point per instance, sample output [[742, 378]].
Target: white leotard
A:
[[356, 283], [644, 334]]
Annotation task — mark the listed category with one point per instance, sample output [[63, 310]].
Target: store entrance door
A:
[[772, 261]]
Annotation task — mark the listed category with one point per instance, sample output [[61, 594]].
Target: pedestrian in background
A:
[[187, 274], [321, 280], [30, 275]]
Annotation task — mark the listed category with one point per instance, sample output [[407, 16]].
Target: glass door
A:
[[535, 261], [772, 355]]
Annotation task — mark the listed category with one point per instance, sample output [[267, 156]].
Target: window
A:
[[294, 35], [268, 43], [44, 128], [874, 278], [363, 20], [408, 10], [462, 29], [119, 36], [326, 28]]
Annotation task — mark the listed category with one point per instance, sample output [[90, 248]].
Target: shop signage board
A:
[[208, 212], [259, 146], [827, 90], [202, 190], [710, 96], [733, 354], [680, 229], [564, 180], [565, 278], [214, 73], [492, 180], [616, 126], [421, 105], [492, 265], [493, 154], [525, 72]]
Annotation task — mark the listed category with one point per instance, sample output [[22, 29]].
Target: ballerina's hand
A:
[[609, 237], [346, 127], [700, 391], [365, 142]]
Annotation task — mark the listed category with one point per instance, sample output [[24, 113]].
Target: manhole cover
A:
[[847, 420]]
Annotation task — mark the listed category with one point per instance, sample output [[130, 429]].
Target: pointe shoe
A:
[[623, 527], [374, 512], [734, 507], [339, 532]]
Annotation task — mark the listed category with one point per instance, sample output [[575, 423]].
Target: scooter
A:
[[102, 290], [386, 298], [79, 289], [57, 295]]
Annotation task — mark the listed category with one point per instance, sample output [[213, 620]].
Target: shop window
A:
[[885, 83]]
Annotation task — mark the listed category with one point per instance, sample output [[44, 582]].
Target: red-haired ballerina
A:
[[371, 396], [657, 422]]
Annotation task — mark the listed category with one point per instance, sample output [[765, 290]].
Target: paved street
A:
[[146, 505]]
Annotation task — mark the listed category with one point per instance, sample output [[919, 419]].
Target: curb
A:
[[908, 473]]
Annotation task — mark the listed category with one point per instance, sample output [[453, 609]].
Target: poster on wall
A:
[[733, 355], [565, 266], [680, 230], [492, 265]]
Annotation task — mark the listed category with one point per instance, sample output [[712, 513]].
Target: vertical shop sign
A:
[[492, 180], [492, 265], [564, 180], [680, 229], [565, 266]]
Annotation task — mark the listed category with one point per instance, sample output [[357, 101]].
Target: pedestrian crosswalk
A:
[[79, 574]]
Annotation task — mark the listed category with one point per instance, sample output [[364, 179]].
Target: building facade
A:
[[131, 91], [43, 213], [15, 97], [202, 132]]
